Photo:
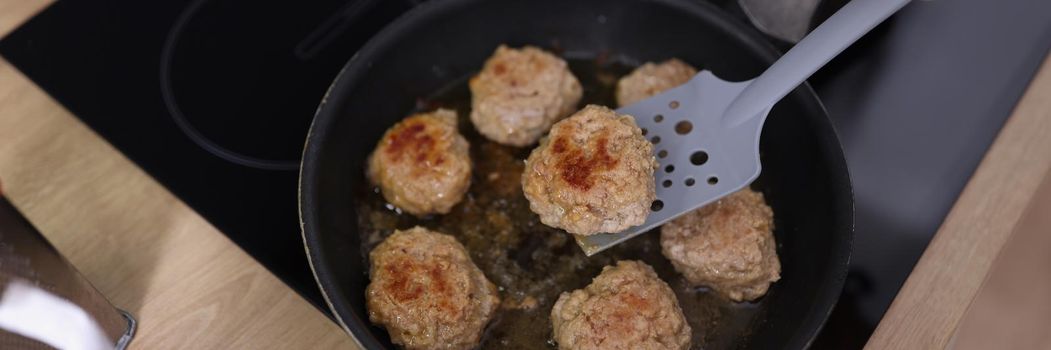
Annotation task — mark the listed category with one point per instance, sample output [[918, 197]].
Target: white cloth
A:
[[37, 314]]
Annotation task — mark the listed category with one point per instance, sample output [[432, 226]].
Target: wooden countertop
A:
[[185, 282], [188, 284], [935, 298], [1012, 310]]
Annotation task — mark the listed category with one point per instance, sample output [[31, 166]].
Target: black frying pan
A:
[[804, 177]]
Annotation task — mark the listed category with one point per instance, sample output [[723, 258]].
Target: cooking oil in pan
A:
[[532, 264]]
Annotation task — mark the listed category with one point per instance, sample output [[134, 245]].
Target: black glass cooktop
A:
[[213, 98]]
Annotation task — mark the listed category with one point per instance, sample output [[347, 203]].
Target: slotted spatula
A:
[[706, 132]]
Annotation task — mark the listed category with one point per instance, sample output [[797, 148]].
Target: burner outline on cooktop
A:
[[184, 124]]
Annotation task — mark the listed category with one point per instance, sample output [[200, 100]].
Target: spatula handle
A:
[[826, 41]]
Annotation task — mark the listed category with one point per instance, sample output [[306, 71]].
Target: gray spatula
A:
[[706, 132]]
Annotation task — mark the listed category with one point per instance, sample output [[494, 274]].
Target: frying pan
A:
[[804, 177]]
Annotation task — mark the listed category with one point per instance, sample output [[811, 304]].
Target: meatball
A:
[[422, 164], [651, 79], [427, 293], [592, 174], [727, 245], [519, 93], [625, 307]]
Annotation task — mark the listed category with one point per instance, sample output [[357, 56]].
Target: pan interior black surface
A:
[[804, 175]]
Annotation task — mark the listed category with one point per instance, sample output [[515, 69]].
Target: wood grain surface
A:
[[186, 283], [1012, 310], [935, 297], [14, 12]]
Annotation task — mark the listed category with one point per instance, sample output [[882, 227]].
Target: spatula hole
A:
[[644, 131], [713, 180], [655, 140], [673, 104], [684, 127], [657, 205], [699, 158], [669, 169], [658, 118], [662, 154], [690, 181], [666, 183]]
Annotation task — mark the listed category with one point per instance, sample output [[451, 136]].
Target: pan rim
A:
[[356, 66]]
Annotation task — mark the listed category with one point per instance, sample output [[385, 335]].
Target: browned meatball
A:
[[422, 164], [625, 307], [519, 93], [592, 174], [427, 293], [727, 245], [651, 79]]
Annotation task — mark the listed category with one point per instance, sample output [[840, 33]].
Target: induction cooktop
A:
[[213, 98]]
